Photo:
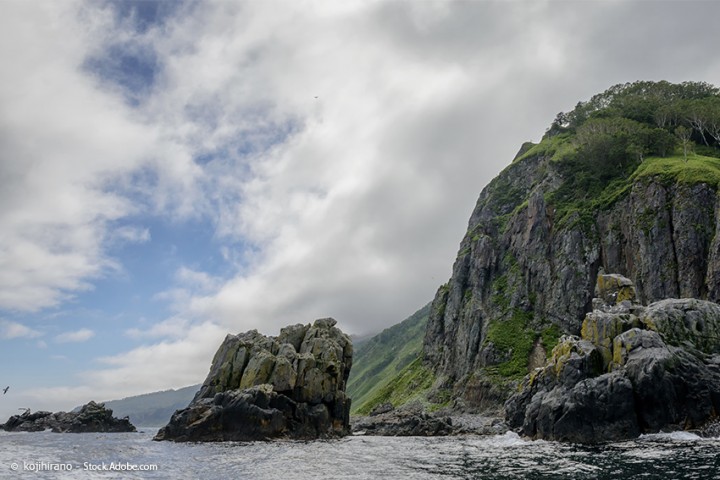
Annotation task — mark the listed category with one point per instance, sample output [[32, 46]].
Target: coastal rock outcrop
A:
[[260, 387], [92, 417], [633, 370]]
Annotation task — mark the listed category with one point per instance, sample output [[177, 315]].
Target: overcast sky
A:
[[173, 172]]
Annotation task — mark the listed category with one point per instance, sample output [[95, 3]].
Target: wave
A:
[[678, 436]]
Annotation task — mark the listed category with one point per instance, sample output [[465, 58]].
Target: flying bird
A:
[[6, 389]]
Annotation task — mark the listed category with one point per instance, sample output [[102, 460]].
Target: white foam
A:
[[679, 436], [509, 439]]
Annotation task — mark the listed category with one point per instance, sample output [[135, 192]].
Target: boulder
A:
[[613, 289], [92, 417], [260, 388], [633, 370]]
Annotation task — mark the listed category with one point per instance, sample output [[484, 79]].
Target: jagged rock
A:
[[258, 388], [627, 375], [92, 417]]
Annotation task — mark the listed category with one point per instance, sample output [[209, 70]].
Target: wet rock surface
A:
[[260, 387]]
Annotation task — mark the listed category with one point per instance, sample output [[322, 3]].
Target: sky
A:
[[171, 172]]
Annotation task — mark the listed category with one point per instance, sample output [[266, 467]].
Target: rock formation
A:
[[519, 262], [289, 386], [633, 370], [92, 417]]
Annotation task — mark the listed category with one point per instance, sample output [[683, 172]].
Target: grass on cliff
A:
[[578, 200], [378, 361], [697, 169], [410, 384], [556, 147], [515, 334]]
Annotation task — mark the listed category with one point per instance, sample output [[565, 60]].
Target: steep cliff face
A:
[[521, 274], [524, 274]]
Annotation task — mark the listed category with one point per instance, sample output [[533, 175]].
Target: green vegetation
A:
[[515, 336], [379, 360], [698, 169], [628, 132], [556, 147], [410, 384], [550, 337]]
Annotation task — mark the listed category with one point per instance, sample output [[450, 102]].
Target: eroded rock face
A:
[[633, 370], [92, 417], [259, 387]]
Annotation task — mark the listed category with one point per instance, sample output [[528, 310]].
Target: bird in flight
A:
[[6, 389]]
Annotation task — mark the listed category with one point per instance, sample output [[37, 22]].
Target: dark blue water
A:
[[665, 456]]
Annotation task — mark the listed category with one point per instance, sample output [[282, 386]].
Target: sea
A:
[[47, 455]]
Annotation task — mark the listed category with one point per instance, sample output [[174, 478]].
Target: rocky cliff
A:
[[259, 387], [541, 231]]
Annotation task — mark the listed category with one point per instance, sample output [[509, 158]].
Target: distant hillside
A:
[[152, 409], [378, 360]]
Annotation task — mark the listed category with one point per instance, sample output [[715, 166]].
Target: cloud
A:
[[170, 328], [11, 330], [131, 234], [351, 204], [161, 366], [63, 142], [77, 159], [82, 335]]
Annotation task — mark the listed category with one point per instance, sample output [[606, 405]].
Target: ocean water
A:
[[46, 455]]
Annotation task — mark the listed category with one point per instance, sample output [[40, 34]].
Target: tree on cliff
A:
[[684, 134]]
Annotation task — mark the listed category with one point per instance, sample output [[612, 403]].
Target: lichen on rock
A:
[[633, 370]]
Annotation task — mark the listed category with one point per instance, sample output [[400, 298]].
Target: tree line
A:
[[630, 121]]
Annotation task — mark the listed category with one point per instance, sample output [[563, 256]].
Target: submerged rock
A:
[[258, 388], [634, 370], [92, 417]]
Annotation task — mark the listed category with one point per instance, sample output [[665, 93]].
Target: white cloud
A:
[[173, 327], [131, 234], [63, 143], [168, 364], [10, 330], [82, 335]]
